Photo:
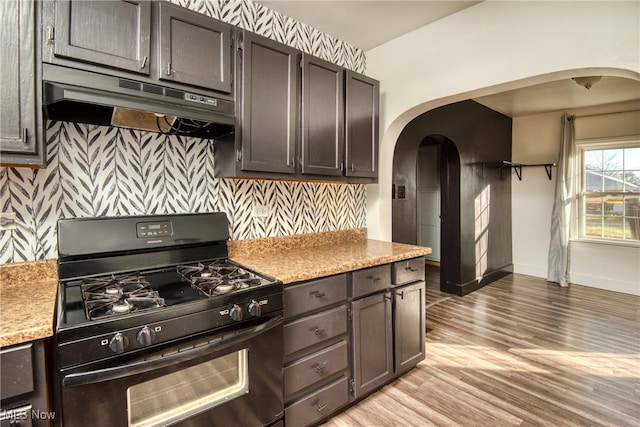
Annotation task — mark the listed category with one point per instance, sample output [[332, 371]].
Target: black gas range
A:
[[147, 298]]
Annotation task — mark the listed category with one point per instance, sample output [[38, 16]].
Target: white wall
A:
[[489, 48], [536, 139]]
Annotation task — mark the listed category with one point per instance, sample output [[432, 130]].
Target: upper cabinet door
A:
[[322, 140], [362, 106], [193, 48], [268, 115], [109, 33], [20, 140]]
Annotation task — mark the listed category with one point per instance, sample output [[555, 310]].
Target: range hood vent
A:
[[86, 97]]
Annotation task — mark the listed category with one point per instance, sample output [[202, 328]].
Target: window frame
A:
[[579, 217]]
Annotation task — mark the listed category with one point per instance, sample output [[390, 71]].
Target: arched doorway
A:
[[438, 202], [468, 136]]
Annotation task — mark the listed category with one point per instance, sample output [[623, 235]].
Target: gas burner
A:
[[217, 278], [118, 295]]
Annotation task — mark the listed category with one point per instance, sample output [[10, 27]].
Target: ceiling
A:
[[366, 24]]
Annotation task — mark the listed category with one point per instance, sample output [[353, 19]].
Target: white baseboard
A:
[[530, 270], [607, 284]]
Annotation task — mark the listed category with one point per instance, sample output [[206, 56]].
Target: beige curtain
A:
[[559, 256]]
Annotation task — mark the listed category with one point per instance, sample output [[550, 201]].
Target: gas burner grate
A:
[[217, 278], [116, 295]]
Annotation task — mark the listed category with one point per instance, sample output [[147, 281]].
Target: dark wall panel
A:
[[476, 224]]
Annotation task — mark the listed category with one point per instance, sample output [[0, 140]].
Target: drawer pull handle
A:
[[317, 294], [374, 279], [321, 407], [320, 368], [319, 331], [409, 268], [401, 293]]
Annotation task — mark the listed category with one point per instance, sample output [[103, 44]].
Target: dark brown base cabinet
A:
[[24, 390], [316, 372], [348, 335]]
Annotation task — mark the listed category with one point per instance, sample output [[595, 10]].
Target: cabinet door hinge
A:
[[239, 155], [352, 387], [50, 34], [350, 313]]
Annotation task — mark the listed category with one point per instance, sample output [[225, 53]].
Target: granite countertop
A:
[[27, 301], [295, 258], [28, 290]]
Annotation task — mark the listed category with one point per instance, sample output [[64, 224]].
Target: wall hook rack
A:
[[517, 168]]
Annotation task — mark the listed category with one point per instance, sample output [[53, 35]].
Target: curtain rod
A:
[[606, 114]]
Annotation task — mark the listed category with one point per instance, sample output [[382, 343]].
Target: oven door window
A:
[[180, 395]]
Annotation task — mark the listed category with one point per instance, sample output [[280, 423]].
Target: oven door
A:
[[228, 378]]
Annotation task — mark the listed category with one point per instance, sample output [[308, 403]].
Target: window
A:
[[610, 190]]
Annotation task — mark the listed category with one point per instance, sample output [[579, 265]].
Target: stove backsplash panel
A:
[[103, 171], [107, 171]]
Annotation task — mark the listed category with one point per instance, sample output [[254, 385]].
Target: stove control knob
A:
[[255, 309], [146, 336], [118, 343], [236, 313]]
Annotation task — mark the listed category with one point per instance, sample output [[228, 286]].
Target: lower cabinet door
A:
[[318, 405], [372, 339], [409, 328]]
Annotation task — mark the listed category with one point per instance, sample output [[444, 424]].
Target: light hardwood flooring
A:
[[518, 352]]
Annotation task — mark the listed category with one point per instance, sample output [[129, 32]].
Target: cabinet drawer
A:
[[314, 368], [313, 295], [370, 280], [318, 405], [411, 270], [314, 329], [17, 370]]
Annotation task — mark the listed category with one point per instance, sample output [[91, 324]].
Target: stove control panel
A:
[[126, 337], [147, 230]]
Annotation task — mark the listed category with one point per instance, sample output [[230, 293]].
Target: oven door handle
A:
[[92, 377]]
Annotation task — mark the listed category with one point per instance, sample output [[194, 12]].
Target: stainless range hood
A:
[[86, 97]]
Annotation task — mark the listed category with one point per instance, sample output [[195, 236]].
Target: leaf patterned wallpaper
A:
[[107, 171]]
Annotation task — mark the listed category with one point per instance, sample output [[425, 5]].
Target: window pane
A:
[[632, 211], [593, 180], [613, 206], [593, 206], [613, 181], [593, 226], [614, 175], [632, 180], [612, 159], [593, 159], [613, 227], [632, 158]]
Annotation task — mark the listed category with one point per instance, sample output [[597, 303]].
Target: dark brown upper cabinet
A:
[[193, 48], [20, 112], [110, 33], [299, 117], [155, 40], [322, 139], [268, 105], [362, 106]]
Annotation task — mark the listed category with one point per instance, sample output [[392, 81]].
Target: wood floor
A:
[[517, 352]]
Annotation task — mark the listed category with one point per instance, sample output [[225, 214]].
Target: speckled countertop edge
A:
[[291, 262], [27, 301]]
